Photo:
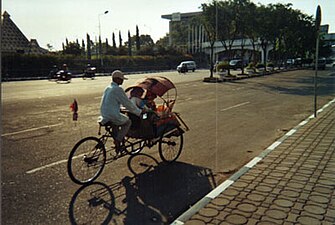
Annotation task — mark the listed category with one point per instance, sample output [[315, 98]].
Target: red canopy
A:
[[157, 85]]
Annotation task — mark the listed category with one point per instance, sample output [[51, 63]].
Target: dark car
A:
[[321, 64], [237, 64]]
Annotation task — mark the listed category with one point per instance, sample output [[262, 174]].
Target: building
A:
[[185, 32], [14, 41]]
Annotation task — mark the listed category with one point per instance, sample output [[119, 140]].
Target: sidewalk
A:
[[291, 182]]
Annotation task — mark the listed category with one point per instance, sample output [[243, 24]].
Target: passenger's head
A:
[[136, 92]]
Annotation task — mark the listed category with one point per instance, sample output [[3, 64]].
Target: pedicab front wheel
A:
[[171, 144], [86, 160]]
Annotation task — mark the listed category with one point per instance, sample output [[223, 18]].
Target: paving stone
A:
[[220, 201], [263, 188], [323, 190], [314, 209], [327, 182], [283, 203], [231, 192], [289, 193], [318, 199], [245, 207], [276, 214], [240, 184], [295, 185], [208, 212], [236, 219]]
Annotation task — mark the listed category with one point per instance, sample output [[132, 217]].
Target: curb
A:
[[223, 186]]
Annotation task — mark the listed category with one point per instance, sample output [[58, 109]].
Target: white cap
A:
[[118, 74]]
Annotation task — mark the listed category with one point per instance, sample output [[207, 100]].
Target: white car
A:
[[188, 65]]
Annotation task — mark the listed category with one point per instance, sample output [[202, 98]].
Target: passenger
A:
[[112, 99], [150, 97], [136, 95]]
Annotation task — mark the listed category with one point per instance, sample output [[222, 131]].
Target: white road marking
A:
[[53, 164], [46, 166], [235, 106], [31, 129]]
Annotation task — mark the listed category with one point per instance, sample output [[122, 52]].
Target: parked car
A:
[[186, 66], [237, 64], [322, 63], [330, 63]]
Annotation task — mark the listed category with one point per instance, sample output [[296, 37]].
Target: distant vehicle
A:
[[237, 64], [89, 72], [186, 65], [330, 63], [289, 62], [322, 63], [63, 75]]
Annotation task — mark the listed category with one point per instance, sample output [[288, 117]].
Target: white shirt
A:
[[112, 99]]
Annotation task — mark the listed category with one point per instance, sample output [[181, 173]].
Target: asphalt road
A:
[[230, 123]]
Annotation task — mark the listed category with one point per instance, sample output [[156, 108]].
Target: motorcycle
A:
[[89, 73], [63, 75]]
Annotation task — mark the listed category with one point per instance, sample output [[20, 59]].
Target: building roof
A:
[[14, 41], [183, 16]]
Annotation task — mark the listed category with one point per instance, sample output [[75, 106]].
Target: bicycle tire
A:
[[88, 154], [169, 149]]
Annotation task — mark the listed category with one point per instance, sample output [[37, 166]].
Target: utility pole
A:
[[317, 26]]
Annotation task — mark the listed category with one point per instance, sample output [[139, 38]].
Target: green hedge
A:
[[19, 65]]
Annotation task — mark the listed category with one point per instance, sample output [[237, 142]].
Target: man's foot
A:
[[119, 147]]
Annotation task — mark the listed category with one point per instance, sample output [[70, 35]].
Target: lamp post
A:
[[317, 26], [100, 47]]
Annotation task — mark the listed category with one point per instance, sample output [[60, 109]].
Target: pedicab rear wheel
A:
[[171, 144], [86, 160]]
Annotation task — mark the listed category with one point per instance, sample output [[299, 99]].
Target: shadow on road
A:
[[303, 86], [156, 194]]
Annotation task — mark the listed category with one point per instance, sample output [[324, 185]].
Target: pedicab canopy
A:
[[156, 85]]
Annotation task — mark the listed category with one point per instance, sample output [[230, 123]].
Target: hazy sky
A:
[[51, 21]]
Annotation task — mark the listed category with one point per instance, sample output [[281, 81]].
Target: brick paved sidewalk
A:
[[291, 182]]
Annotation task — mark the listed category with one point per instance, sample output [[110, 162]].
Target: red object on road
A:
[[74, 109]]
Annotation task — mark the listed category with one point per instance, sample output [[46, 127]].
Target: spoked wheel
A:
[[87, 160], [171, 144]]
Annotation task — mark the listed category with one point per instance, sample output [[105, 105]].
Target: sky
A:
[[52, 21]]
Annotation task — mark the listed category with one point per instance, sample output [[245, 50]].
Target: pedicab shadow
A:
[[157, 193]]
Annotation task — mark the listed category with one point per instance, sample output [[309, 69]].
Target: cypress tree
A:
[[138, 44]]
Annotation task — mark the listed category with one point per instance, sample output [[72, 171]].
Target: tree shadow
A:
[[156, 194], [303, 86]]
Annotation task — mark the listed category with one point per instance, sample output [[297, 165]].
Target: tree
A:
[[114, 42], [129, 43], [208, 19], [120, 39], [72, 48], [138, 44], [88, 41]]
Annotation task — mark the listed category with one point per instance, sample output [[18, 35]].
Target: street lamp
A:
[[317, 26], [100, 47]]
